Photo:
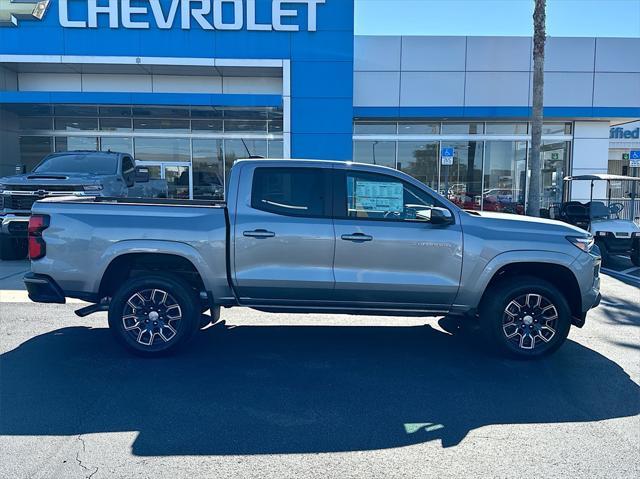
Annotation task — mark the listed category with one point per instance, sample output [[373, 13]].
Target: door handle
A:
[[259, 234], [358, 237]]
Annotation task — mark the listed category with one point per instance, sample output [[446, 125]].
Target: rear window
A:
[[80, 163], [290, 191]]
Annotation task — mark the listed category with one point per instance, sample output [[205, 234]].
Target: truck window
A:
[[291, 191], [90, 162], [127, 165], [381, 197]]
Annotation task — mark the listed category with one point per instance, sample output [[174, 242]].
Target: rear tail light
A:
[[37, 246]]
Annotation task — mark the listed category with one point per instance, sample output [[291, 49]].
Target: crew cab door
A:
[[283, 235], [388, 253]]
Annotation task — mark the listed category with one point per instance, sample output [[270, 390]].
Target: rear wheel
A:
[[525, 317], [635, 257], [154, 315]]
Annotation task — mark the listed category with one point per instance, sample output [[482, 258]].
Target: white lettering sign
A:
[[208, 14]]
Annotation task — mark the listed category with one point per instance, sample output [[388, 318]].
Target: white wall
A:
[[103, 82]]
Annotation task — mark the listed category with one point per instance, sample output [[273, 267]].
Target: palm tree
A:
[[539, 38]]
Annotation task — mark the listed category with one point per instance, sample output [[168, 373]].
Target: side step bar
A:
[[92, 308]]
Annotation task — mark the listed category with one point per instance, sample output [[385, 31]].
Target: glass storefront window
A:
[[206, 125], [162, 149], [75, 110], [420, 160], [161, 125], [161, 112], [70, 143], [115, 111], [116, 143], [115, 124], [375, 152], [276, 149], [208, 170], [76, 124], [461, 182], [275, 126], [374, 128], [32, 150], [418, 128], [235, 150], [504, 176], [506, 128], [554, 167], [455, 128], [35, 123], [556, 129], [245, 126]]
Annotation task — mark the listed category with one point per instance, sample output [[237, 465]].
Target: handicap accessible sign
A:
[[634, 158], [447, 156]]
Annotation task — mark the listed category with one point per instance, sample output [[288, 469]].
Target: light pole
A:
[[374, 151]]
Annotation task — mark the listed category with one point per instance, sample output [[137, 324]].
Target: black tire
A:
[[157, 326], [635, 253], [604, 253], [529, 331], [12, 248]]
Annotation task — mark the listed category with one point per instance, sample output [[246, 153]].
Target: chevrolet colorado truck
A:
[[302, 236], [88, 173]]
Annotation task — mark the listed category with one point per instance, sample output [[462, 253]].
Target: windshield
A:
[[81, 163]]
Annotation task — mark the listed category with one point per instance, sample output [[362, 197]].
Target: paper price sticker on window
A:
[[379, 196]]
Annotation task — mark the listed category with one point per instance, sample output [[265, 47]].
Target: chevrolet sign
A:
[[143, 15], [11, 11]]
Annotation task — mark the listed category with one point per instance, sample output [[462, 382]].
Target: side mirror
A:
[[441, 216], [142, 174]]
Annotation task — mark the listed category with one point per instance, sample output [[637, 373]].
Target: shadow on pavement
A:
[[259, 390]]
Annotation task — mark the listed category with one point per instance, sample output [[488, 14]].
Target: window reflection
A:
[[461, 182], [504, 176], [208, 170], [375, 153], [420, 160], [162, 149]]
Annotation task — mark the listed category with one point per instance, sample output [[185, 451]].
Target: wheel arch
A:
[[129, 259], [558, 275]]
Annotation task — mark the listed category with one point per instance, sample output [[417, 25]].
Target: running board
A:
[[92, 308]]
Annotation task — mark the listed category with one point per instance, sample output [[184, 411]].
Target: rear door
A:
[[388, 254], [284, 237]]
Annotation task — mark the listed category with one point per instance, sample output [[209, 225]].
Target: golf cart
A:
[[610, 220]]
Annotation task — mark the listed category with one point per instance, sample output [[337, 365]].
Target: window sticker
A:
[[379, 196]]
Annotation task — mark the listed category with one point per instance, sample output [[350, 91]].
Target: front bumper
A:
[[43, 289]]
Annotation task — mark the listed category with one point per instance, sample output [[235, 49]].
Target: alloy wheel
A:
[[529, 321], [152, 316]]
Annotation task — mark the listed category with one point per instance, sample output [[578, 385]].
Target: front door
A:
[[388, 254], [283, 237]]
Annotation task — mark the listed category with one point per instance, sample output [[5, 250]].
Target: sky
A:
[[565, 18]]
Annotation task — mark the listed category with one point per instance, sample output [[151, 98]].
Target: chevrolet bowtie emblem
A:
[[11, 11]]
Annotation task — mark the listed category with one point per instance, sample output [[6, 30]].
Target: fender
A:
[[474, 283], [158, 247]]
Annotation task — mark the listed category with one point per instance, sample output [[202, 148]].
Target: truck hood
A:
[[50, 179], [524, 223]]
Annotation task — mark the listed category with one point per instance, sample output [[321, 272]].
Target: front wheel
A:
[[525, 317], [635, 253], [154, 315]]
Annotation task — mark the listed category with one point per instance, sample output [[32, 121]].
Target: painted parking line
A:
[[623, 275]]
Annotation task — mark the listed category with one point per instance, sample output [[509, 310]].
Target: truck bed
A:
[[136, 201]]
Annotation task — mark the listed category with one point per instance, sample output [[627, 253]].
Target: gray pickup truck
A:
[[312, 236], [82, 173]]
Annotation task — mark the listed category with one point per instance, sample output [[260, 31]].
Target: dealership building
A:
[[187, 87]]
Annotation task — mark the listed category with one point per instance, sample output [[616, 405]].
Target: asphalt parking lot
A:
[[267, 395]]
